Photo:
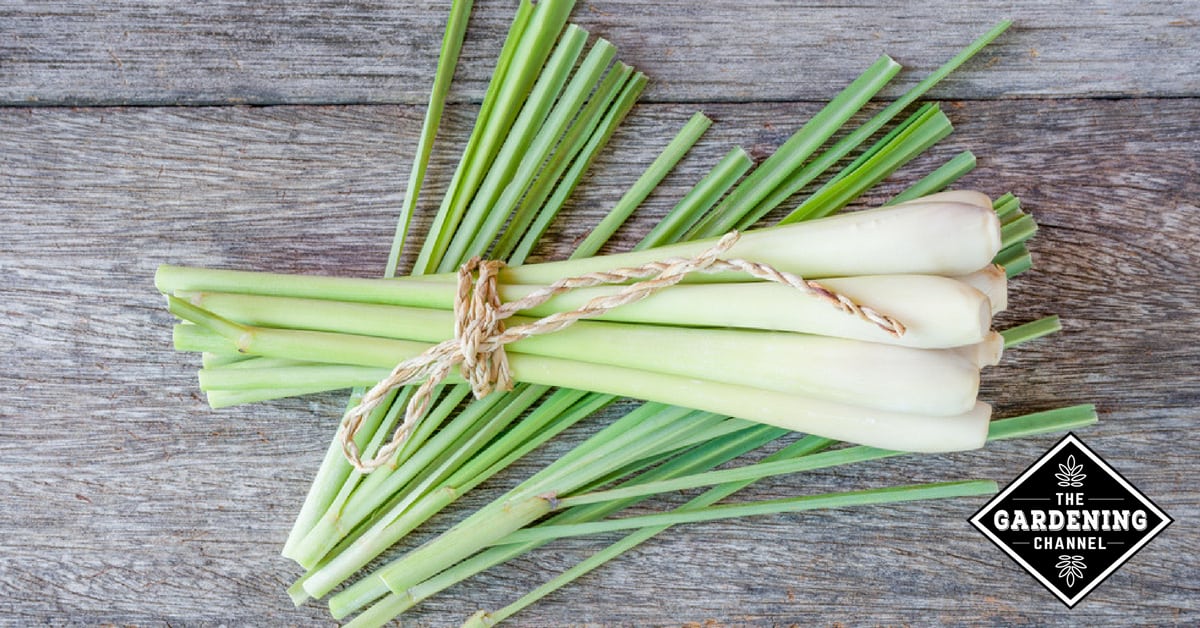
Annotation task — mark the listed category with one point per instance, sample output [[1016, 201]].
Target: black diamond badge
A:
[[1070, 520]]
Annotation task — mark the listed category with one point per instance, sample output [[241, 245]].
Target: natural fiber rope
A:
[[479, 333]]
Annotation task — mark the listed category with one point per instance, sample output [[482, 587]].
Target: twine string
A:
[[477, 348]]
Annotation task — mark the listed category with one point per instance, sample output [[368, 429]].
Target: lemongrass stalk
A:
[[706, 456], [1014, 260], [1018, 231], [215, 360], [925, 132], [1031, 331], [699, 200], [217, 399], [562, 410], [650, 178], [799, 147], [518, 157], [892, 494], [1067, 418], [939, 179], [937, 312], [1072, 417], [526, 503], [914, 238], [452, 41], [933, 382], [339, 521], [258, 363], [867, 374], [962, 313], [546, 21], [573, 141], [492, 210], [571, 178]]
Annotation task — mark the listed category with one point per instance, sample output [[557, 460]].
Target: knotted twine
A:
[[477, 347]]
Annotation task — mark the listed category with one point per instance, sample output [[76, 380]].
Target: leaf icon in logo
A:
[[1070, 474], [1070, 568]]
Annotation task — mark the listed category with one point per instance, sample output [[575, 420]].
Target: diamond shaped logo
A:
[[1070, 520]]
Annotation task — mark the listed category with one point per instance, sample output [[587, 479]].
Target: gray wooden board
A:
[[142, 52], [126, 501]]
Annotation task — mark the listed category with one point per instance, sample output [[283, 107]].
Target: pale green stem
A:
[[452, 41], [599, 139], [530, 53], [574, 141], [798, 148], [699, 200], [939, 179], [651, 177], [525, 144]]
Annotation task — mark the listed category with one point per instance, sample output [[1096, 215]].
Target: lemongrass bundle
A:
[[751, 349], [720, 342]]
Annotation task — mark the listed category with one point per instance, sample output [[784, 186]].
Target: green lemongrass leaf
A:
[[397, 519], [1047, 422], [574, 141], [707, 455], [452, 41], [527, 142], [925, 132], [1006, 205], [533, 48], [697, 202], [848, 455], [809, 173], [802, 144], [495, 210], [939, 179], [1015, 260], [1031, 331], [600, 137], [912, 492], [650, 178], [598, 140], [1018, 231]]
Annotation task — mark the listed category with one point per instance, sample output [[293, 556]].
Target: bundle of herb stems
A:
[[524, 157]]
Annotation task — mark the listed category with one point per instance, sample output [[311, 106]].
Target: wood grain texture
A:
[[369, 51], [127, 501], [124, 500]]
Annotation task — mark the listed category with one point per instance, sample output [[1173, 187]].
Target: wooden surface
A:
[[124, 500]]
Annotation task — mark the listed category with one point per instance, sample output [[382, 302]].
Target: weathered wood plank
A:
[[139, 52], [126, 501]]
